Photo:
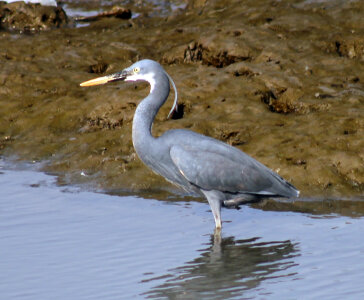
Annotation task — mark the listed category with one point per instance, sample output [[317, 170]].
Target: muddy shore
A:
[[282, 81]]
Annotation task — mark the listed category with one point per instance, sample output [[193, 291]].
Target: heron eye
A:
[[136, 70]]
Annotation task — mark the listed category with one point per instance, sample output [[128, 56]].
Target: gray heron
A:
[[201, 165]]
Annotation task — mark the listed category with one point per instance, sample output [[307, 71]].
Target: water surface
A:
[[67, 243]]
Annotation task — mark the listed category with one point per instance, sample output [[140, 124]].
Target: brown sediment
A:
[[281, 81], [30, 17]]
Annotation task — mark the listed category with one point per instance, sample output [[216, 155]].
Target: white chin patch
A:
[[146, 77]]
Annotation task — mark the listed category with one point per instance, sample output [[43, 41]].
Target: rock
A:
[[243, 69], [351, 46], [215, 50], [98, 68], [286, 100], [116, 11], [29, 17]]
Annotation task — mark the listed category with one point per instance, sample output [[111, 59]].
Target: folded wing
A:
[[217, 170]]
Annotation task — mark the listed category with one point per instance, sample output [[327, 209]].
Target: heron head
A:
[[145, 69], [142, 70]]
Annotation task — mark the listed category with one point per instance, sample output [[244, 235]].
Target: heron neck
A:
[[146, 111]]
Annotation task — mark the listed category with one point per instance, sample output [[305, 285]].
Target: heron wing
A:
[[211, 170]]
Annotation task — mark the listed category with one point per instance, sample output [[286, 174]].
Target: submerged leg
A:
[[214, 200]]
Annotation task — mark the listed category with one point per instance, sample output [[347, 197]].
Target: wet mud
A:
[[282, 81]]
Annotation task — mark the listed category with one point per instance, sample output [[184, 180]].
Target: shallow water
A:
[[67, 243], [75, 8]]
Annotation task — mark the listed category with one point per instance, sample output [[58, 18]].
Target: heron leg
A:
[[214, 200], [241, 200]]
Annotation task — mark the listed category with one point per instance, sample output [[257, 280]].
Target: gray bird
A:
[[199, 164]]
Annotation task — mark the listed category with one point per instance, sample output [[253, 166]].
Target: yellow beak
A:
[[105, 79], [97, 81]]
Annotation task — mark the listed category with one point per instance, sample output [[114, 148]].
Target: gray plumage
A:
[[199, 164]]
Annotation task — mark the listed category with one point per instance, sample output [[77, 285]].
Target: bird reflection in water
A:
[[227, 268]]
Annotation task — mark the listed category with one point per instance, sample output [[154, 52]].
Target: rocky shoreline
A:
[[281, 81]]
